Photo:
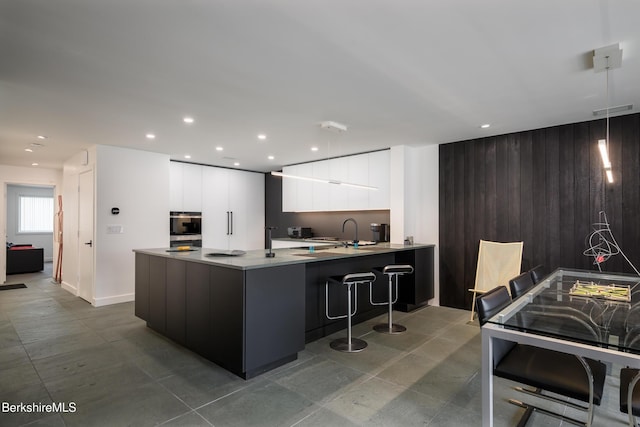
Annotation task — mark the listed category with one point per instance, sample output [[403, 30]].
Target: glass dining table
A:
[[586, 313]]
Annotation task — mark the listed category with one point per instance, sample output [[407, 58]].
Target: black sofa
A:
[[24, 259]]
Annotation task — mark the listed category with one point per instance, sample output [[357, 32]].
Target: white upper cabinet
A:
[[185, 187], [365, 169]]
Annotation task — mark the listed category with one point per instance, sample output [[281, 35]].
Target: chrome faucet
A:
[[355, 240]]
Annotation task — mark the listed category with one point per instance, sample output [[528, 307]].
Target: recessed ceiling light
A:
[[485, 126], [187, 156], [42, 137], [150, 136], [262, 136], [219, 148], [34, 164], [270, 157], [314, 148], [236, 164], [28, 150], [188, 119]]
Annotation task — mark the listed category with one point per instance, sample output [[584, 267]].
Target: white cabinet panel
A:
[[305, 187], [215, 208], [185, 187], [358, 173], [321, 189], [175, 186], [289, 190], [192, 187], [233, 209], [338, 194]]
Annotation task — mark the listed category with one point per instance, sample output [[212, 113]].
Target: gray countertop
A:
[[257, 259]]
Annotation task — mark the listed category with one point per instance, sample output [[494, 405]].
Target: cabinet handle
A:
[[232, 223], [227, 223]]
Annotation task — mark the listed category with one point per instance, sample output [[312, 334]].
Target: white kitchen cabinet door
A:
[[305, 188], [289, 189], [192, 187], [246, 206], [175, 187], [215, 208], [379, 167], [321, 189], [358, 173], [338, 194]]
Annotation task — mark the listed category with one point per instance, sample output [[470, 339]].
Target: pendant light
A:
[[334, 127], [604, 59]]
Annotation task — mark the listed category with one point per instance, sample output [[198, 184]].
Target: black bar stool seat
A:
[[391, 271], [348, 344]]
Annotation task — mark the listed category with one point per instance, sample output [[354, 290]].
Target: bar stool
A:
[[349, 344], [391, 271]]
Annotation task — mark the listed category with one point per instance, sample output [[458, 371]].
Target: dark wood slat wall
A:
[[545, 187]]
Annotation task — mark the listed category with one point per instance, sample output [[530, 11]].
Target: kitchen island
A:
[[250, 313]]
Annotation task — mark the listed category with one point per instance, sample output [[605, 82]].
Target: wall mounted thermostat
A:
[[115, 211]]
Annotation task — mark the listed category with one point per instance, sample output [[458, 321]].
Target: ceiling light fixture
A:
[[485, 126], [28, 150], [188, 120], [262, 136], [604, 59], [34, 164], [236, 164], [42, 137], [219, 148], [335, 127], [314, 148], [187, 156], [150, 136], [270, 157], [324, 181]]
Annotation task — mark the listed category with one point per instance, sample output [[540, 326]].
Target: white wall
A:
[[136, 182], [414, 200], [25, 176]]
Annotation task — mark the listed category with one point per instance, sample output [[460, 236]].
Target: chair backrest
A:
[[497, 263], [520, 284], [538, 273], [490, 303]]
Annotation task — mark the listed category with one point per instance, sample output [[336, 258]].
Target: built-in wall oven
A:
[[185, 229]]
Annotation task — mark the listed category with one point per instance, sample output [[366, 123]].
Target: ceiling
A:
[[411, 72]]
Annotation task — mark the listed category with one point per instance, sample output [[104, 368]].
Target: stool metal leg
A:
[[349, 344], [390, 327]]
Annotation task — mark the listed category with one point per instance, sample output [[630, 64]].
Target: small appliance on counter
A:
[[380, 232], [298, 232]]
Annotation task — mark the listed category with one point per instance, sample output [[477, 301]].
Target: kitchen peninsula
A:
[[250, 313]]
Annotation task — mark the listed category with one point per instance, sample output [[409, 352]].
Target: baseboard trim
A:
[[115, 299], [69, 288]]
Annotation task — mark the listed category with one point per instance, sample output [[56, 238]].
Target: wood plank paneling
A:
[[545, 187]]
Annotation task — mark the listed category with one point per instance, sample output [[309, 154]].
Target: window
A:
[[35, 215]]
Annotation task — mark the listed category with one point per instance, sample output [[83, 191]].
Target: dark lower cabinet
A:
[[253, 320], [176, 300]]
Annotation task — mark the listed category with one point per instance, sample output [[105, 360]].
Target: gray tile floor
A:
[[54, 347]]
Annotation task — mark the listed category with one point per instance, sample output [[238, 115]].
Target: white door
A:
[[246, 202], [85, 237]]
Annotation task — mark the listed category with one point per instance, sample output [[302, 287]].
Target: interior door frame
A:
[[3, 229]]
